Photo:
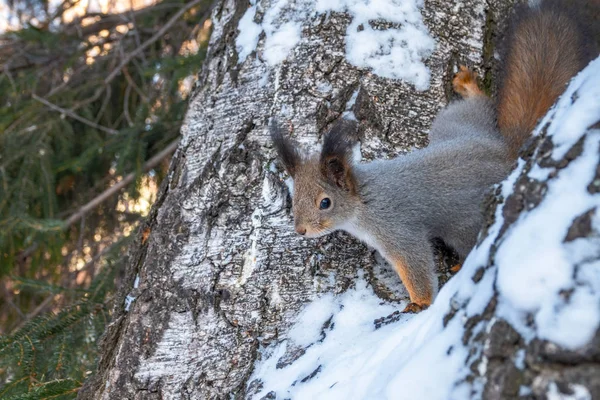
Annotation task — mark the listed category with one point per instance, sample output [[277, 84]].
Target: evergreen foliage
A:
[[49, 356], [85, 101]]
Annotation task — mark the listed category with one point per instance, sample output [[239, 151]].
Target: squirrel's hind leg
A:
[[465, 83]]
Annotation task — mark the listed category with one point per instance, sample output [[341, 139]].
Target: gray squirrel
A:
[[398, 206]]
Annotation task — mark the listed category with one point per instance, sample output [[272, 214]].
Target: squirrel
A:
[[398, 206]]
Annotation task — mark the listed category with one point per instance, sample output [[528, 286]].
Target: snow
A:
[[520, 359], [579, 393], [130, 298], [289, 182], [128, 302], [346, 338], [310, 322], [280, 42], [280, 37], [396, 51], [247, 40], [324, 87], [349, 113], [344, 356], [524, 391]]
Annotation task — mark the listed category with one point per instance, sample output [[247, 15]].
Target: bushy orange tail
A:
[[545, 48]]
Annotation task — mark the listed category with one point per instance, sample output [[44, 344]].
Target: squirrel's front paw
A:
[[465, 83], [413, 308], [455, 268]]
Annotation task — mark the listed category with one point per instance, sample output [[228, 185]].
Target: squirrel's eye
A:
[[325, 203]]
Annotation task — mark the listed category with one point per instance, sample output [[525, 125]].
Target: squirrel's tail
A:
[[546, 45]]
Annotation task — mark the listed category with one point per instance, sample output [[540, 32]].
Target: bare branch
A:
[[104, 103], [143, 97], [126, 105], [73, 115], [109, 21], [37, 311], [136, 31], [151, 163], [153, 39]]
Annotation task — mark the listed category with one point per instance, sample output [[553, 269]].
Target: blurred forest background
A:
[[93, 93]]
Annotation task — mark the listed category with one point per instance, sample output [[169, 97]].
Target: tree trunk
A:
[[218, 274]]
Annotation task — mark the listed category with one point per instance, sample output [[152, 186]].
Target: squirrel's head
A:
[[325, 192]]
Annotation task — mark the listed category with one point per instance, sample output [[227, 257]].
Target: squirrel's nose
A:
[[301, 230]]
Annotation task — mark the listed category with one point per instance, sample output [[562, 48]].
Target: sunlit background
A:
[[93, 96]]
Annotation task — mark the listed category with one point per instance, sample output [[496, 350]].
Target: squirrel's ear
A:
[[287, 152], [336, 156]]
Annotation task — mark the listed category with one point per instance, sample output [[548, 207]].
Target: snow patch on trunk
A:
[[387, 37], [393, 49], [282, 25]]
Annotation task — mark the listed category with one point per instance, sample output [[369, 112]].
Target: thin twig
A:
[[64, 6], [107, 249], [28, 251], [89, 100], [78, 250], [73, 115], [104, 104], [136, 32], [35, 312], [143, 97], [126, 105], [66, 82], [151, 163], [8, 300], [153, 39], [109, 21], [10, 78]]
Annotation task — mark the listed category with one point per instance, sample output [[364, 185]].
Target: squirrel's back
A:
[[545, 47], [438, 189]]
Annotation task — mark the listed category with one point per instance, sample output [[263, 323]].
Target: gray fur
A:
[[436, 191]]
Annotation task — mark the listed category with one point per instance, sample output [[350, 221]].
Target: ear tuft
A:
[[336, 155], [286, 150]]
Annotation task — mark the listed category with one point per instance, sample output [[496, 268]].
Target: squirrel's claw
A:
[[413, 308]]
